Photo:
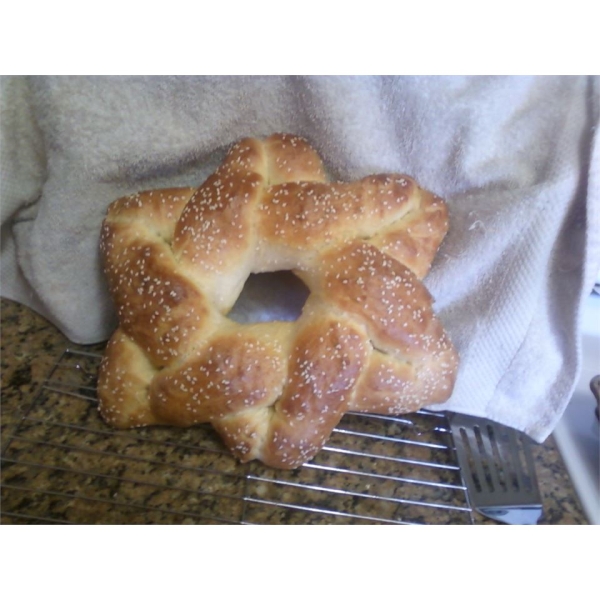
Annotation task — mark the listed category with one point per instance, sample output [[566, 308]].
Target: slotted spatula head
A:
[[498, 470]]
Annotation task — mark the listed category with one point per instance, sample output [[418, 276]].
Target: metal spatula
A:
[[498, 470]]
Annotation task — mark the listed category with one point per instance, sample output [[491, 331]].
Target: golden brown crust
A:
[[123, 380], [239, 369], [367, 339]]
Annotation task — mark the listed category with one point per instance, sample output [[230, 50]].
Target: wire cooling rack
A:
[[62, 464]]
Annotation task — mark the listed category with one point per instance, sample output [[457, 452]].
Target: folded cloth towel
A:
[[517, 159]]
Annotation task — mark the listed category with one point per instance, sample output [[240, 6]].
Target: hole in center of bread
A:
[[277, 296]]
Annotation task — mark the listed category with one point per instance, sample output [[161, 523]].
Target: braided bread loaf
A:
[[367, 339]]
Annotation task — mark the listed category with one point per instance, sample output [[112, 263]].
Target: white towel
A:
[[516, 158]]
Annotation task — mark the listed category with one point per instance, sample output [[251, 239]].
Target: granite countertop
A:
[[61, 463]]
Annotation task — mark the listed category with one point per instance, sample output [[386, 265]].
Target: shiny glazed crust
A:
[[367, 339]]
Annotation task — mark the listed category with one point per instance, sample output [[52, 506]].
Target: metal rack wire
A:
[[62, 464]]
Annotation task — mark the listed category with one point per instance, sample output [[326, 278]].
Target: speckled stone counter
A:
[[62, 464]]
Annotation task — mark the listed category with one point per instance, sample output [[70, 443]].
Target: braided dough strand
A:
[[367, 339]]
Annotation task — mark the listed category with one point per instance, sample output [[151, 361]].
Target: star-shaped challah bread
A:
[[367, 339]]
